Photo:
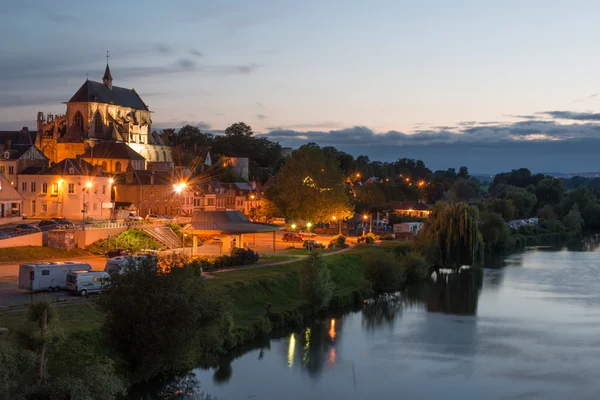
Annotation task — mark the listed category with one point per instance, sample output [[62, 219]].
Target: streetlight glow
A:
[[60, 181], [88, 184], [334, 218], [111, 181], [293, 226], [309, 225], [364, 217]]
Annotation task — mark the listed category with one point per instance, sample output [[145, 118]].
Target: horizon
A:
[[472, 84]]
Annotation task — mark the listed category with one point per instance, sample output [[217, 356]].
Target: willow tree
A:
[[310, 187], [452, 230]]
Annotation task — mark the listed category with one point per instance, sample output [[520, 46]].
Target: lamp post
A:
[[293, 229], [339, 224], [88, 185], [179, 187], [364, 222]]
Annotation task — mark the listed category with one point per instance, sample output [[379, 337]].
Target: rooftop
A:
[[98, 92]]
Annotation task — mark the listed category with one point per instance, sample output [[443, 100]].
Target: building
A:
[[17, 152], [416, 209], [114, 157], [72, 188], [154, 192], [11, 202], [214, 196], [99, 112], [240, 165]]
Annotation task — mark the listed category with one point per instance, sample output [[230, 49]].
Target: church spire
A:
[[107, 78]]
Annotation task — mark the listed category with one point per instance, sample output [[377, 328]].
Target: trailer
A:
[[49, 276]]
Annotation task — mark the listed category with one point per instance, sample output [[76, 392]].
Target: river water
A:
[[527, 330]]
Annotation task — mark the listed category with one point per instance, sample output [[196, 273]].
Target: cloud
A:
[[60, 17], [259, 104], [315, 125], [261, 116], [176, 124], [163, 48], [196, 53], [186, 64], [572, 115]]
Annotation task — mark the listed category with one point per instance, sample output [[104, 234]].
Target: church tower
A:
[[107, 78]]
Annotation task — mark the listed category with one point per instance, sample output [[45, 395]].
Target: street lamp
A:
[[293, 229], [179, 187], [339, 224]]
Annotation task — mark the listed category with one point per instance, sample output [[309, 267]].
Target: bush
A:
[[415, 267], [384, 272], [316, 286], [401, 250], [338, 242], [369, 238], [132, 239], [386, 236]]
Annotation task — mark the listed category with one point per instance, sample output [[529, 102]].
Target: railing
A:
[[164, 235]]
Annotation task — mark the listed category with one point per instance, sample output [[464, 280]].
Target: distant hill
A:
[[561, 175]]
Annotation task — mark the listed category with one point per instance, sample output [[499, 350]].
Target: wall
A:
[[156, 199], [33, 239], [89, 236]]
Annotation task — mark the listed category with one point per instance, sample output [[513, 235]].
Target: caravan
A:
[[84, 282], [47, 276]]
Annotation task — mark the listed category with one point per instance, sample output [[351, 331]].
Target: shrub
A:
[[414, 266], [386, 236], [316, 286], [384, 272], [338, 241], [238, 257], [369, 238]]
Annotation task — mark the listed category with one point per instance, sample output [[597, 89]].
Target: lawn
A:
[[38, 253], [73, 318]]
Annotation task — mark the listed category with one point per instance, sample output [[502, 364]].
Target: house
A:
[[215, 196], [18, 152], [11, 202], [113, 157], [408, 228], [154, 192], [72, 188], [416, 209]]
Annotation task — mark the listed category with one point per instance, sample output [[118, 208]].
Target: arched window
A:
[[104, 166], [164, 155], [78, 120], [97, 123], [118, 166], [156, 155]]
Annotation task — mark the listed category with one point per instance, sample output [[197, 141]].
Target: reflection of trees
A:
[[588, 243], [381, 311], [222, 374], [450, 293], [184, 386]]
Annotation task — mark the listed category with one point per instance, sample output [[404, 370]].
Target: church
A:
[[108, 126]]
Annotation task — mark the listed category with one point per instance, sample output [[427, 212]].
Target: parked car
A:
[[132, 216], [26, 228], [4, 235], [153, 218], [65, 223], [308, 233], [47, 276], [312, 244], [84, 282], [49, 225], [115, 253], [292, 237]]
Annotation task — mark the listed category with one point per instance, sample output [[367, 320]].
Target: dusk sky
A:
[[491, 85]]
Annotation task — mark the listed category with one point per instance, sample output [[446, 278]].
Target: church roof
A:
[[107, 75], [97, 92], [112, 150]]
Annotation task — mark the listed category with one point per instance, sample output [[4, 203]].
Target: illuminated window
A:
[[71, 188], [97, 123], [55, 188]]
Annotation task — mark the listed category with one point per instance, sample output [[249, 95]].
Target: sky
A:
[[487, 84]]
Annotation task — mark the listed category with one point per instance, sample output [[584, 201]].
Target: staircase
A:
[[164, 235]]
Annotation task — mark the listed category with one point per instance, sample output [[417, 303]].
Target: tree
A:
[[503, 207], [316, 286], [384, 272], [573, 221], [463, 190], [163, 321], [310, 187], [369, 196], [522, 200], [549, 191], [239, 129], [453, 231], [463, 172]]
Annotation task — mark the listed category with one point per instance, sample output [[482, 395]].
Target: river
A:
[[527, 330]]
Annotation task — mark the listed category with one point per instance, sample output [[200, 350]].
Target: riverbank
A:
[[248, 290]]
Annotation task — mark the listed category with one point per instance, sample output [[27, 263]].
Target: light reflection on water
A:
[[528, 330]]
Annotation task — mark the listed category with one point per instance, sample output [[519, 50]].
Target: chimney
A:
[[129, 175]]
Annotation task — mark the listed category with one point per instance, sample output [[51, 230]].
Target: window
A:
[[96, 279], [23, 186], [156, 155], [45, 272], [44, 188], [95, 206], [78, 121], [97, 123], [71, 188], [164, 155], [2, 169], [118, 166], [44, 207], [55, 188], [210, 202], [33, 187], [11, 170], [103, 189], [95, 189], [104, 166]]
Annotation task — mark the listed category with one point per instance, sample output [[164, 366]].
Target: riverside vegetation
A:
[[135, 330]]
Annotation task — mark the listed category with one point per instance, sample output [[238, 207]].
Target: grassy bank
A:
[[37, 253]]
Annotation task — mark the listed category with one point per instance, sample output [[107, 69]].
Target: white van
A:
[[48, 276], [84, 282], [118, 265]]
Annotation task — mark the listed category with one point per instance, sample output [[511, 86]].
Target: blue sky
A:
[[452, 82]]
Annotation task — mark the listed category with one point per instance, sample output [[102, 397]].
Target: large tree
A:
[[310, 187]]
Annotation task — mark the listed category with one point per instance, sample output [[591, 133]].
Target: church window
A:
[[156, 155], [78, 121], [97, 123], [103, 189], [104, 166], [118, 166], [164, 155]]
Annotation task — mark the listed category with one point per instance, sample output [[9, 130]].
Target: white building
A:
[[71, 188]]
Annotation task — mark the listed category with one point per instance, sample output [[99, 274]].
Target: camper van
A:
[[47, 276], [84, 282], [119, 265]]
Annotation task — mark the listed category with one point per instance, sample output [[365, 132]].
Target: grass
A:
[[73, 318], [38, 253]]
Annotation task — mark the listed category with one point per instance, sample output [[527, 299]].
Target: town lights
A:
[[365, 217], [293, 226], [179, 187], [111, 181], [60, 181], [334, 218], [308, 225], [88, 184]]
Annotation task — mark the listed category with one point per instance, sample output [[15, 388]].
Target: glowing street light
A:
[[111, 181], [88, 184], [60, 181]]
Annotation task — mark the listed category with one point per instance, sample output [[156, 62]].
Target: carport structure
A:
[[225, 224]]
